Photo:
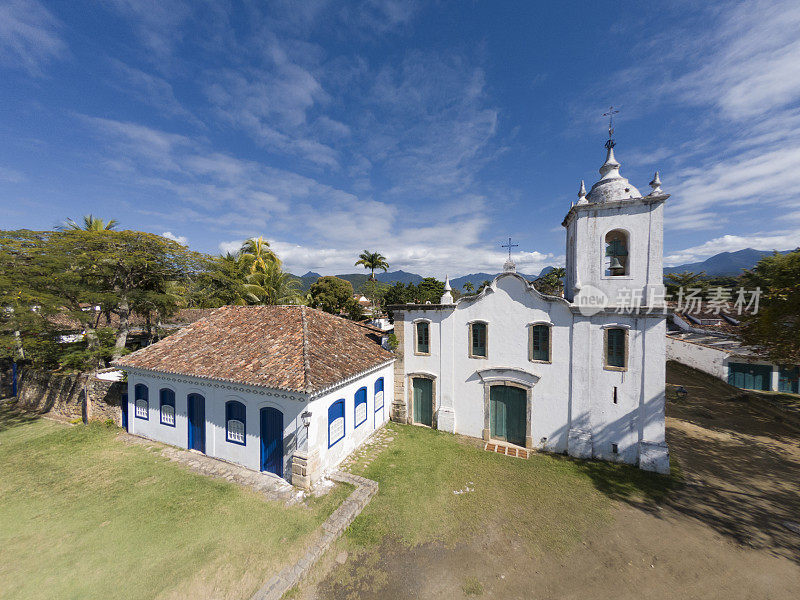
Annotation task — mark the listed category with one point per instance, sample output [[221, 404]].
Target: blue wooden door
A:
[[272, 440], [197, 422], [123, 406]]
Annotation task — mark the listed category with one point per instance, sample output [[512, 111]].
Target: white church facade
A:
[[583, 374]]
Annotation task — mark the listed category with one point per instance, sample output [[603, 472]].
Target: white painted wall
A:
[[216, 394], [704, 358], [574, 391], [713, 361], [586, 231], [292, 405], [354, 436]]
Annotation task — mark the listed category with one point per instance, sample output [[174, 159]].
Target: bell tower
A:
[[615, 241]]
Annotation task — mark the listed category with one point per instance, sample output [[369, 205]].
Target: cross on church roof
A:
[[610, 114], [509, 245]]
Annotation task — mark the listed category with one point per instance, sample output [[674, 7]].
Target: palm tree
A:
[[90, 223], [468, 287], [372, 261], [257, 254], [272, 286]]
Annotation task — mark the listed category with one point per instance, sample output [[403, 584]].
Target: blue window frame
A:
[[336, 422], [379, 395], [141, 402], [235, 422], [167, 407], [360, 407]]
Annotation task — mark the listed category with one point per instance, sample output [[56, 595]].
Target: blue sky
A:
[[429, 131]]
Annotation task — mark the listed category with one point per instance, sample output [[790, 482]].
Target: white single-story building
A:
[[726, 358], [287, 390]]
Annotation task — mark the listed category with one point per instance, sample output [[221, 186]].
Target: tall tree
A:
[[257, 255], [686, 280], [775, 328], [468, 287], [552, 283], [90, 223], [331, 294], [372, 261]]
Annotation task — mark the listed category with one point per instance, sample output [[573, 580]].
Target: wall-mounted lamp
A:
[[306, 416]]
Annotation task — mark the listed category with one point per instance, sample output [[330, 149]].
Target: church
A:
[[292, 391], [583, 374]]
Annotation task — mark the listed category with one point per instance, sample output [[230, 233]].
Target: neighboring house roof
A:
[[292, 348], [724, 344]]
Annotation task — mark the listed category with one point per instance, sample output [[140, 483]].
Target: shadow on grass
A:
[[13, 416], [628, 483]]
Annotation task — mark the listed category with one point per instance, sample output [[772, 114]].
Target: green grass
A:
[[84, 515], [548, 501]]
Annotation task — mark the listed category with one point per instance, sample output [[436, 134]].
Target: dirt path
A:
[[727, 534]]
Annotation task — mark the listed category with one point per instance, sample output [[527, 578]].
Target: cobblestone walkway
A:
[[366, 453], [332, 528], [270, 486]]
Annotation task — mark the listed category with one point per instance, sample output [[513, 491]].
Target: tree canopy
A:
[[775, 328]]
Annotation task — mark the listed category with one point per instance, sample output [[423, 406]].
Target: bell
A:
[[615, 266]]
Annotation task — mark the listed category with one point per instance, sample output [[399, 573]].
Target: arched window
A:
[[335, 422], [360, 407], [616, 258], [141, 401], [478, 339], [422, 338], [540, 342], [235, 422], [167, 406], [379, 394], [616, 348]]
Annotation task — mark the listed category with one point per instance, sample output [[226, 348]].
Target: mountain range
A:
[[719, 265], [724, 263]]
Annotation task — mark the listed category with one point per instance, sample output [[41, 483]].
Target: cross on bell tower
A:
[[610, 114]]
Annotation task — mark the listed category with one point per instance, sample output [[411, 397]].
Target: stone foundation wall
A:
[[71, 396], [399, 411]]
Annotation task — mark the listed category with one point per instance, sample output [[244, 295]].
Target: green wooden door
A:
[[507, 413], [750, 377], [788, 379], [423, 401]]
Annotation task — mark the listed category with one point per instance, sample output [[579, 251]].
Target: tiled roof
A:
[[293, 348]]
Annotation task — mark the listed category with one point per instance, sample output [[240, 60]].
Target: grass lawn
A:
[[83, 515], [547, 501]]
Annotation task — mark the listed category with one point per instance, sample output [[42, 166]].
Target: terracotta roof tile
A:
[[285, 347]]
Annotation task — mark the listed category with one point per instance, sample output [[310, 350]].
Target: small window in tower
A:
[[615, 394], [614, 449], [616, 258]]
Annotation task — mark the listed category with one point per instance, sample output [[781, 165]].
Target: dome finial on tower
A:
[[656, 185], [447, 297], [582, 194]]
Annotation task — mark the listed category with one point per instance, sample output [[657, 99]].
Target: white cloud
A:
[[779, 240], [29, 36], [181, 239]]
